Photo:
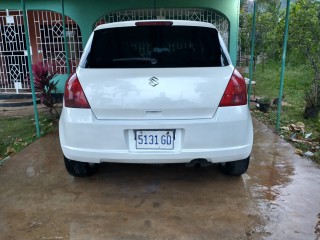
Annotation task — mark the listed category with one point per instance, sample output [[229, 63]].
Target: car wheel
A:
[[235, 168], [79, 169]]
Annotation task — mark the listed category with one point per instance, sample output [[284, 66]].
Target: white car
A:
[[156, 92]]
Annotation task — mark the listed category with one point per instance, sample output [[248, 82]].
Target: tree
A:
[[268, 14], [304, 35], [267, 25]]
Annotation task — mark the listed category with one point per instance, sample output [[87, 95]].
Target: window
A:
[[155, 47]]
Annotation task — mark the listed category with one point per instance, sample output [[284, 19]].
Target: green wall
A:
[[86, 12]]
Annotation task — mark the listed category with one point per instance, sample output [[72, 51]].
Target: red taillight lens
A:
[[236, 91], [73, 95]]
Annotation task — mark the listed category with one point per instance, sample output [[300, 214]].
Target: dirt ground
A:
[[21, 111], [24, 111]]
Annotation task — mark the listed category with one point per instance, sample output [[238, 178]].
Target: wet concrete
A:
[[278, 198]]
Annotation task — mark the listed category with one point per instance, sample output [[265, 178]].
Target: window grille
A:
[[47, 45], [13, 54], [195, 14], [49, 37]]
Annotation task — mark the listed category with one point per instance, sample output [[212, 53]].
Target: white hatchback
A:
[[156, 92]]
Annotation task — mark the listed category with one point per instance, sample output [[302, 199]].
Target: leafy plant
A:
[[43, 76]]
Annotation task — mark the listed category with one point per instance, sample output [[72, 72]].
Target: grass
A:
[[18, 132], [297, 80]]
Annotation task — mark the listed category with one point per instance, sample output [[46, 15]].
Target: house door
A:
[[13, 54]]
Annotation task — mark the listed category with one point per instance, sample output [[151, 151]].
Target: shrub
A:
[[43, 83]]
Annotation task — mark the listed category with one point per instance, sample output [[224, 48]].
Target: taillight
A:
[[236, 91], [73, 95], [154, 23]]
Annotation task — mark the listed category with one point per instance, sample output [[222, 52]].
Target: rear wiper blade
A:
[[136, 59]]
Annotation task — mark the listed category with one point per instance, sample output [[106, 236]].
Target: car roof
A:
[[174, 23]]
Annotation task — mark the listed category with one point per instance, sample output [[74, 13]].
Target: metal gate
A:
[[195, 14], [13, 54], [47, 45], [48, 31]]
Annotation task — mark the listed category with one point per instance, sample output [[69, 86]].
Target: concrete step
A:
[[5, 96], [17, 102]]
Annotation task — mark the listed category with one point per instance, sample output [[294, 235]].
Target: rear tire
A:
[[79, 169], [235, 168]]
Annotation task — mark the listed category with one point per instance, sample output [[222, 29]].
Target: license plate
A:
[[154, 139]]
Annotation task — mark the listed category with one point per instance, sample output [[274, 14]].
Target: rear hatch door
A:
[[155, 93]]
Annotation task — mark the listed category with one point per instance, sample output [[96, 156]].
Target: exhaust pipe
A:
[[199, 162]]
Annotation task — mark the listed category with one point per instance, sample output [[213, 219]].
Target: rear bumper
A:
[[228, 136]]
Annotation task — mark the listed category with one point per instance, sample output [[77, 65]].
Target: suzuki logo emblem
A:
[[154, 81]]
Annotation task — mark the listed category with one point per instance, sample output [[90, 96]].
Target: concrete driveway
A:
[[278, 198]]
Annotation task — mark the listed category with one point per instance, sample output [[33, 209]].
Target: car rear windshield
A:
[[155, 47]]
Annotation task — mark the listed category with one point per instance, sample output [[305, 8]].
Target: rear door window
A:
[[155, 47]]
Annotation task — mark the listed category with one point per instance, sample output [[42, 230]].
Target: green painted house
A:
[[47, 38]]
